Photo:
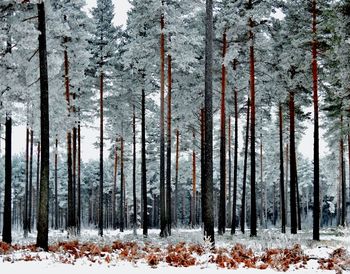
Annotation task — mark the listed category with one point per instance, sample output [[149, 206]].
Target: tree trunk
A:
[[207, 187], [122, 203], [7, 225], [134, 220], [222, 206], [245, 170], [26, 192], [56, 184], [235, 160], [283, 207], [37, 182], [229, 204], [168, 170], [163, 217], [316, 211], [342, 174], [100, 212], [143, 163], [79, 182], [176, 178], [30, 197], [298, 196], [262, 189], [43, 220], [287, 183], [114, 189], [293, 204], [74, 173], [194, 185], [253, 220]]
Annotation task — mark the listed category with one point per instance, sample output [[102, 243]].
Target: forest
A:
[[200, 107]]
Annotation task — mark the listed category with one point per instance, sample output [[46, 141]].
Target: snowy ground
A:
[[58, 260]]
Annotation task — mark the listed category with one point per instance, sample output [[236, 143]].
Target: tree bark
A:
[[245, 169], [163, 217], [100, 210], [30, 197], [229, 204], [176, 178], [26, 189], [7, 225], [342, 175], [56, 184], [43, 220], [122, 203], [293, 204], [37, 182], [134, 172], [114, 189], [316, 210], [282, 192], [143, 163], [235, 161], [207, 187], [253, 220], [222, 206], [168, 170], [79, 182], [194, 184]]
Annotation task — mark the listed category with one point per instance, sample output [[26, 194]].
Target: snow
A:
[[49, 262]]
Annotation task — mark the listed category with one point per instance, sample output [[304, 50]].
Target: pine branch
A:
[[31, 57]]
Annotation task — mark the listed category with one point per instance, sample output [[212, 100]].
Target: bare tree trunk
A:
[[7, 225], [168, 170], [253, 220], [79, 182], [122, 203], [43, 220], [30, 197], [316, 211], [293, 204], [207, 187], [222, 206], [194, 185], [245, 170], [134, 172], [282, 192], [176, 178], [114, 189], [229, 204], [25, 211], [235, 161], [143, 163], [56, 184], [163, 217], [100, 214]]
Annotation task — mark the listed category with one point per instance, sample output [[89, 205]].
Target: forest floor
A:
[[183, 252]]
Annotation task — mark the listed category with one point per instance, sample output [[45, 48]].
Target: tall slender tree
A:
[[207, 187], [316, 208], [43, 214]]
